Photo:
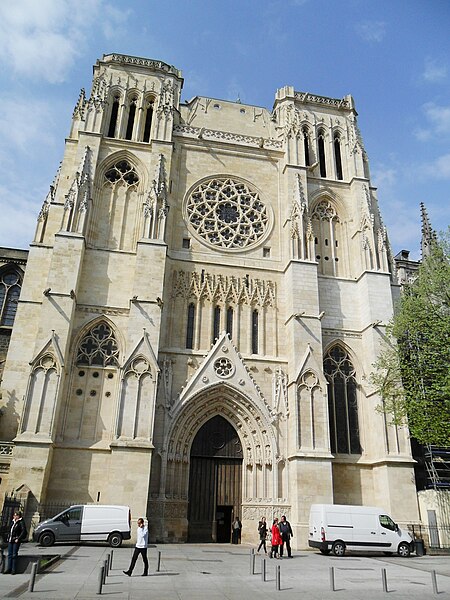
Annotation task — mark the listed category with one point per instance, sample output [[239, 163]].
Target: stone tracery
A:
[[227, 213]]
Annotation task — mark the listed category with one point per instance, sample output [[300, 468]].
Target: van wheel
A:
[[115, 540], [47, 539], [338, 548], [404, 550], [326, 552]]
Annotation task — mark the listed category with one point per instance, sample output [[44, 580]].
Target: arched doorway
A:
[[215, 482]]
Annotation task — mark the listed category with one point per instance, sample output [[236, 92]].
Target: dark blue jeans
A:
[[13, 551]]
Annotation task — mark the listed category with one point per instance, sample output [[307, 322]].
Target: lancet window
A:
[[255, 331], [342, 402], [10, 287], [216, 324], [321, 148], [131, 118], [306, 146], [114, 115], [337, 156], [149, 106], [230, 321], [190, 326]]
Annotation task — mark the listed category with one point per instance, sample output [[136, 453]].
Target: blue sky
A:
[[393, 56]]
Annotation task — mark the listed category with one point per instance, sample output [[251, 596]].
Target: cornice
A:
[[226, 136]]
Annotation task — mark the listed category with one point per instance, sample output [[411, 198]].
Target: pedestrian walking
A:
[[286, 534], [262, 530], [17, 534], [276, 540], [140, 548], [236, 530]]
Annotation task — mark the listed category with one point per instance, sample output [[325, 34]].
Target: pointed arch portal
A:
[[215, 481]]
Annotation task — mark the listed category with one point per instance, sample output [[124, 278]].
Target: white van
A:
[[86, 523], [336, 528]]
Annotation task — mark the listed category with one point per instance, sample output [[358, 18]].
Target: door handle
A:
[[373, 532], [383, 533]]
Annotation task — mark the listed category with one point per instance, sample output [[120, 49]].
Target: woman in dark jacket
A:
[[17, 534], [262, 530]]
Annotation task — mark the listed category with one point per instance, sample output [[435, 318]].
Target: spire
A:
[[428, 234]]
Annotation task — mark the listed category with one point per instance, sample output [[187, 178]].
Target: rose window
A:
[[227, 213], [223, 367]]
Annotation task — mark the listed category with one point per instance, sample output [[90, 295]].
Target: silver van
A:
[[86, 523]]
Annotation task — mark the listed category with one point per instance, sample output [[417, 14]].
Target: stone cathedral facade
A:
[[205, 295]]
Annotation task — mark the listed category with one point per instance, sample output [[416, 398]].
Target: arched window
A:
[[114, 115], [327, 227], [255, 332], [337, 156], [342, 402], [230, 322], [216, 326], [321, 146], [117, 206], [89, 411], [98, 347], [190, 326], [306, 146], [131, 116], [10, 286], [148, 121]]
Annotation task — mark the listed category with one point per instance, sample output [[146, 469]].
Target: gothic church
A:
[[204, 298]]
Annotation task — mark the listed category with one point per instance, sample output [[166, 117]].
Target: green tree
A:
[[413, 370]]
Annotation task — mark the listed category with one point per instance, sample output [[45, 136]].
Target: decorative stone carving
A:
[[252, 292], [227, 213]]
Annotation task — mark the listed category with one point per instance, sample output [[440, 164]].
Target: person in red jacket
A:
[[276, 540]]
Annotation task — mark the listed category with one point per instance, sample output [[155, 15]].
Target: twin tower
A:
[[204, 299]]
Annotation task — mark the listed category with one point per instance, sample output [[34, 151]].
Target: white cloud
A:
[[439, 168], [371, 31], [433, 71], [42, 40], [19, 213], [439, 117], [384, 176], [23, 123]]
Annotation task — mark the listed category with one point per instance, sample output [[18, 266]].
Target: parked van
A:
[[336, 528], [86, 523]]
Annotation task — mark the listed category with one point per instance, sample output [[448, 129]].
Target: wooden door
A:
[[215, 481]]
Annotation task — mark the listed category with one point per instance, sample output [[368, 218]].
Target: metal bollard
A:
[[34, 568], [111, 559], [332, 583], [100, 580], [434, 582], [104, 571], [384, 580], [263, 569], [107, 565], [278, 578], [252, 561], [158, 564]]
